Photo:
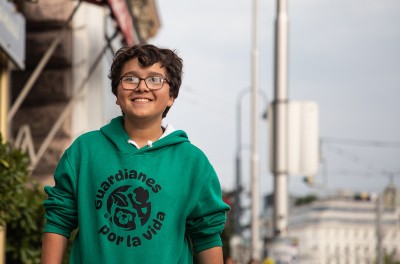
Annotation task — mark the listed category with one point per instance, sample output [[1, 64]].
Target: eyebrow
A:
[[136, 74]]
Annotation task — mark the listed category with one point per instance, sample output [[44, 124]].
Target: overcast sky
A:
[[343, 54]]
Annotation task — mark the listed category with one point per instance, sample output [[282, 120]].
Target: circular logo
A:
[[129, 208]]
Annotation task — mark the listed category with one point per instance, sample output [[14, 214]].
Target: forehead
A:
[[133, 66]]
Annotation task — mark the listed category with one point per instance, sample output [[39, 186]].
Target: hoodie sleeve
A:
[[61, 210], [206, 222]]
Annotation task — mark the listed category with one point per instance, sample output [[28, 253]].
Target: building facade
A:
[[346, 230], [63, 90]]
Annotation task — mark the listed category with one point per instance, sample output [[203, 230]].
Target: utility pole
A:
[[279, 132], [255, 192], [379, 235], [237, 208]]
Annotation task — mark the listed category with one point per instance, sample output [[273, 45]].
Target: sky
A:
[[343, 54]]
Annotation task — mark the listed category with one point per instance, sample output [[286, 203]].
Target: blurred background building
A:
[[63, 89], [345, 227]]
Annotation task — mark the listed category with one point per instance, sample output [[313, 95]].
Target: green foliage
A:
[[305, 200], [389, 260], [24, 233], [21, 208], [14, 176]]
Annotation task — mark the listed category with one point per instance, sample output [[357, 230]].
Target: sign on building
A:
[[12, 32]]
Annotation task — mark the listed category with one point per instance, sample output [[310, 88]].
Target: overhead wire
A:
[[360, 142], [204, 101], [370, 165]]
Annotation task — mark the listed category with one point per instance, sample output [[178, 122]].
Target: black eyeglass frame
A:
[[164, 80]]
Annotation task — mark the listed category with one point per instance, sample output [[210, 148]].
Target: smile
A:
[[141, 100]]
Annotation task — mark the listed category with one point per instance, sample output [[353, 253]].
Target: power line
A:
[[372, 168], [360, 142], [363, 173], [204, 104]]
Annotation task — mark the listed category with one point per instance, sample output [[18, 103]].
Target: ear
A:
[[171, 101]]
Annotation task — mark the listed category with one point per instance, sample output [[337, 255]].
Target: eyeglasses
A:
[[152, 82]]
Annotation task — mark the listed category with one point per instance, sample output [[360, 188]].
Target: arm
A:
[[53, 248], [207, 217], [60, 213], [210, 256]]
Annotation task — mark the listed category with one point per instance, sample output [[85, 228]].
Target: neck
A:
[[143, 132]]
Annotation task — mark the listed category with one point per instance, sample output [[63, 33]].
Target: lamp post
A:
[[279, 132], [237, 209], [255, 160]]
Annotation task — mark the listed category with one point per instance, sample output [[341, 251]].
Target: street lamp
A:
[[237, 209]]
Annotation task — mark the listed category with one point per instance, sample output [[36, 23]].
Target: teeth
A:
[[141, 100]]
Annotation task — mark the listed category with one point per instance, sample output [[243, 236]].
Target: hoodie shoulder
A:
[[90, 136], [111, 133], [188, 147], [87, 139]]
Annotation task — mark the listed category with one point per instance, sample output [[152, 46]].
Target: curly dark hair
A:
[[147, 55]]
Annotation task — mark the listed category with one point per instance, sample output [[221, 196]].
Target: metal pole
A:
[[279, 131], [255, 193], [238, 159], [237, 209], [379, 235]]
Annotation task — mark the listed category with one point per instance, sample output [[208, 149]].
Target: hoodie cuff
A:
[[203, 243]]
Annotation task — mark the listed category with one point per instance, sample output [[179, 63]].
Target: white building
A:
[[345, 230]]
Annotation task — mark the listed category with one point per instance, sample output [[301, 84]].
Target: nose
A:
[[142, 87]]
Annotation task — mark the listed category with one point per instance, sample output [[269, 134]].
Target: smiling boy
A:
[[137, 191]]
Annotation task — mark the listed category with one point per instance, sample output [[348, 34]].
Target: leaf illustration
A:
[[117, 197]]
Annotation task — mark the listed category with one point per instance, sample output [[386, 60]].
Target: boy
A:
[[137, 192]]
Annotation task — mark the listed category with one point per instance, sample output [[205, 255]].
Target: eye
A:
[[130, 79], [155, 79]]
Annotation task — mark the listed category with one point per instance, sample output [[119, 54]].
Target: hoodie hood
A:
[[117, 135]]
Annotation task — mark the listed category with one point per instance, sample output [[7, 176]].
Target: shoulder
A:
[[194, 157], [86, 140], [88, 137], [192, 149]]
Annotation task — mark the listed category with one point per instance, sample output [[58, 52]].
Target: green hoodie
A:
[[157, 204]]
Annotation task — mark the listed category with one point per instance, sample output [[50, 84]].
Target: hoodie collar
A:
[[117, 135], [168, 129]]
